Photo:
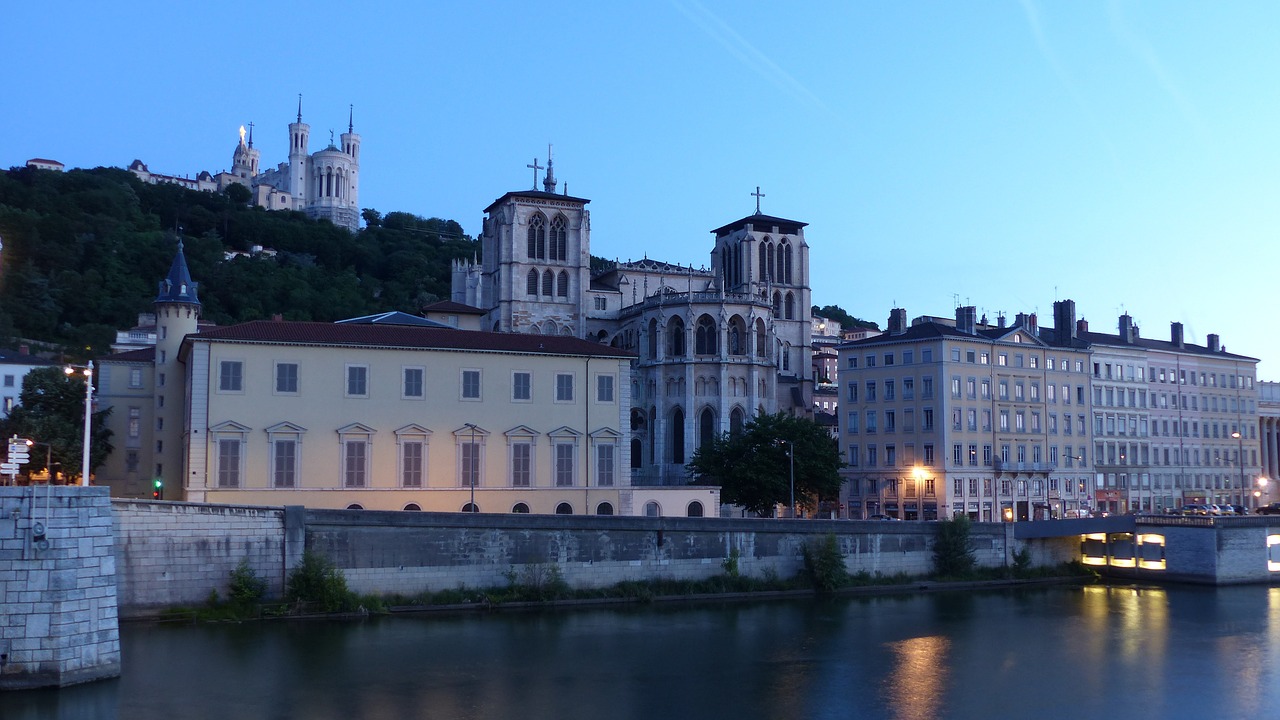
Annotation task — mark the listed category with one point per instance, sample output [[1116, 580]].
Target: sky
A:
[[1002, 154]]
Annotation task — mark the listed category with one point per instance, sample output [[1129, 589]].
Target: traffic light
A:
[[158, 493]]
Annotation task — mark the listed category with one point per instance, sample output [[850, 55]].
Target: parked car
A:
[[882, 517], [1269, 509], [1240, 509]]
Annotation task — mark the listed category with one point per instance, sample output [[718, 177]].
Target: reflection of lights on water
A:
[[919, 677]]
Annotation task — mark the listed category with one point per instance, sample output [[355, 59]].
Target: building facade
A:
[[714, 345], [14, 366]]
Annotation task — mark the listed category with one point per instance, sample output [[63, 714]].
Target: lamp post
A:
[[1240, 462], [1260, 493], [791, 455], [474, 470], [88, 416]]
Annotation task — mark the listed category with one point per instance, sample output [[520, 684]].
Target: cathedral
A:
[[713, 347], [324, 184]]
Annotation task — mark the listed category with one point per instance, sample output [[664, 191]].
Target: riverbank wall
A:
[[172, 553]]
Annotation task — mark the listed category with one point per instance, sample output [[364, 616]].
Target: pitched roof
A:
[[536, 195], [177, 286], [395, 317], [1096, 338], [147, 355], [405, 337], [785, 226], [449, 306]]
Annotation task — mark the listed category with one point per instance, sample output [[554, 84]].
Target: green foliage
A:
[[953, 549], [847, 321], [753, 469], [85, 248], [246, 587], [824, 564], [536, 583], [317, 582], [1022, 562], [51, 410], [730, 563], [238, 194]]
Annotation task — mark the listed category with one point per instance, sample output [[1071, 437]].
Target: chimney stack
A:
[[1000, 320], [1082, 327], [966, 319], [897, 321], [1214, 341], [1064, 321], [1175, 335], [1126, 329], [24, 349]]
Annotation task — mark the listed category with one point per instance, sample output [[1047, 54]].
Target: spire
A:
[[251, 134], [177, 286], [351, 118], [299, 107], [549, 182]]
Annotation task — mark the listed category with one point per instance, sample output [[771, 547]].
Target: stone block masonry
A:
[[58, 601]]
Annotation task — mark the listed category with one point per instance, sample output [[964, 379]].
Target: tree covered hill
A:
[[83, 251]]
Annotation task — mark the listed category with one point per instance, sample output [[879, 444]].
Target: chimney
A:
[[1033, 325], [1214, 341], [1064, 321], [1175, 334], [1082, 327], [1000, 320], [1126, 329], [26, 349], [277, 318], [897, 321], [966, 319]]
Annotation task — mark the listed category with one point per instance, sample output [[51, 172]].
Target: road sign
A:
[[19, 457], [9, 468]]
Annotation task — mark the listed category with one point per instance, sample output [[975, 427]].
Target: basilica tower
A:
[[299, 135]]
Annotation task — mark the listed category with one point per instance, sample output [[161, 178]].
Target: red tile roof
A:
[[404, 337]]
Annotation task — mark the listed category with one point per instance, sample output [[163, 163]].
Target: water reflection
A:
[[1058, 653]]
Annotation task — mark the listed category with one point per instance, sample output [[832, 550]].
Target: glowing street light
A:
[[88, 415]]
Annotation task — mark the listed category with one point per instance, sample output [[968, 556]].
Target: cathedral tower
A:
[[299, 135]]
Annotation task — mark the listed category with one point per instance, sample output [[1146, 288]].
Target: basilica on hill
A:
[[714, 346]]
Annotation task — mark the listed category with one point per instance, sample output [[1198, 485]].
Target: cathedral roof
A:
[[786, 227], [177, 287], [536, 195], [449, 306]]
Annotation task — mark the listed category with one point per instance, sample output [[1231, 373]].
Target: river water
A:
[[1062, 652]]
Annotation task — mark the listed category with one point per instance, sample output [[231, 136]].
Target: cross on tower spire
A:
[[757, 194], [536, 167], [351, 118], [251, 134], [299, 107]]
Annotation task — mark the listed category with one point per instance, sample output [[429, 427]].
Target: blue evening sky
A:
[[1005, 154]]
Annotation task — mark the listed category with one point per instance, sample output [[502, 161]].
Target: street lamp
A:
[[474, 470], [1240, 462], [1260, 492], [791, 455], [88, 415]]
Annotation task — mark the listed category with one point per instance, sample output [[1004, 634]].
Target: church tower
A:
[[177, 315], [299, 135], [351, 146]]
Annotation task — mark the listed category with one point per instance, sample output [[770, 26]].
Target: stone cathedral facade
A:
[[715, 345]]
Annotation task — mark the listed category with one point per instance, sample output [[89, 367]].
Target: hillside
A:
[[83, 250]]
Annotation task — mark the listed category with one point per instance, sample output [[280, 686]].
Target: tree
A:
[[953, 555], [839, 314], [753, 468], [51, 410], [238, 194]]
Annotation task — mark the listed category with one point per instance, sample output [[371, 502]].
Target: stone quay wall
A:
[[58, 602]]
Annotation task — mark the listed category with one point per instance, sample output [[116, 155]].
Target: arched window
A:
[[564, 509], [677, 436], [762, 347], [764, 261], [653, 339], [695, 509], [784, 349], [735, 421], [558, 249], [770, 266], [548, 283], [520, 509], [413, 507], [470, 508], [777, 304], [652, 509], [705, 337], [653, 417], [533, 283], [604, 508], [562, 284], [737, 336], [785, 262], [355, 506], [737, 264], [791, 306], [675, 338], [706, 426], [538, 237], [637, 447]]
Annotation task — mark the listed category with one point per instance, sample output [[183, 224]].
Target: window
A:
[[871, 392], [135, 378], [532, 283], [231, 376], [470, 457], [605, 453], [888, 390], [9, 380], [564, 387], [601, 303], [1002, 359], [888, 358], [926, 387], [908, 357], [562, 284], [908, 388], [413, 454], [229, 459], [705, 336], [604, 388], [355, 462], [521, 386], [564, 464], [413, 382], [284, 463], [521, 463], [357, 381], [135, 424], [470, 384], [557, 245]]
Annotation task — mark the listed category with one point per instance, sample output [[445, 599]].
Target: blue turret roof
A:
[[178, 287]]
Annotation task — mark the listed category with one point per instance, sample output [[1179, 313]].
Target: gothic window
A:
[[785, 350], [677, 436], [653, 417], [777, 304], [784, 262], [737, 336], [737, 264], [764, 261], [636, 457], [761, 339], [548, 283], [558, 246], [705, 338], [562, 284], [706, 426], [533, 282], [653, 339], [538, 237], [770, 267], [735, 421], [675, 338], [791, 306]]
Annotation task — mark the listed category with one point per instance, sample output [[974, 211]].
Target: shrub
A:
[[246, 587], [317, 581], [953, 550], [730, 563], [1022, 562], [824, 564]]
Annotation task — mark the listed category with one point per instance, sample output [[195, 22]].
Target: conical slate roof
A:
[[178, 287]]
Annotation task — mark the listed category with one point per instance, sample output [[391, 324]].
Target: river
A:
[[1060, 652]]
